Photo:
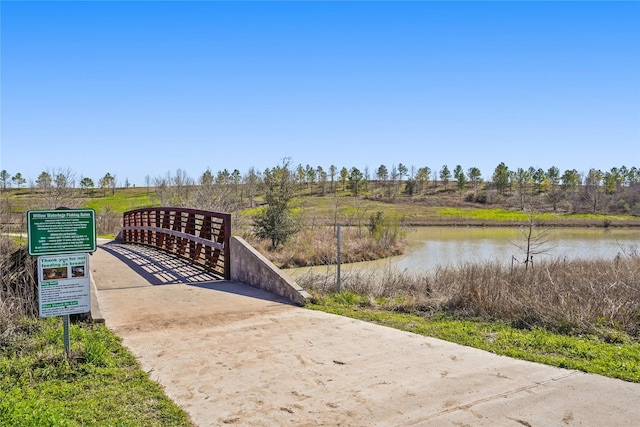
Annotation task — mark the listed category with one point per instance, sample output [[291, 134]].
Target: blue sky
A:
[[145, 88]]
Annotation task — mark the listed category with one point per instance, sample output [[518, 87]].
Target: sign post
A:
[[62, 239]]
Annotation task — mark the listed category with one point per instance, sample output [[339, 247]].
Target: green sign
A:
[[61, 231]]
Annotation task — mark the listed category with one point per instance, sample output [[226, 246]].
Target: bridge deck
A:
[[142, 288], [232, 354]]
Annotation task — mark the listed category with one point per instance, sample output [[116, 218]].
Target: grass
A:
[[436, 208], [121, 201], [581, 315], [586, 353], [600, 297], [491, 214], [100, 384], [500, 215]]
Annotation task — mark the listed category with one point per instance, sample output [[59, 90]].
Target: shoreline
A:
[[575, 223], [407, 242]]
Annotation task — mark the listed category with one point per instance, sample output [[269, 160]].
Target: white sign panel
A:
[[64, 285]]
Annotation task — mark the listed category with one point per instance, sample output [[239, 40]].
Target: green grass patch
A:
[[620, 359], [492, 214], [598, 217], [20, 240], [100, 384], [251, 212], [106, 236], [120, 202], [521, 216]]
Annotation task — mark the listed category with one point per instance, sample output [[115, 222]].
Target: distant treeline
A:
[[614, 191]]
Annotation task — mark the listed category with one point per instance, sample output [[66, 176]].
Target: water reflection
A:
[[429, 247]]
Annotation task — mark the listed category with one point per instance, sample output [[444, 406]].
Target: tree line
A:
[[59, 179], [615, 190]]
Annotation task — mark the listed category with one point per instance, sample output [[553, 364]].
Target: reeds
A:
[[593, 297]]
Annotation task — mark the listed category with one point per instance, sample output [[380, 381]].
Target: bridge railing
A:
[[198, 235]]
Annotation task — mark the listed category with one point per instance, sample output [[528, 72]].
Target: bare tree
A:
[[181, 184], [394, 178], [475, 176], [592, 190], [251, 181], [361, 211], [423, 177], [214, 195], [57, 186], [162, 187], [536, 240], [205, 191]]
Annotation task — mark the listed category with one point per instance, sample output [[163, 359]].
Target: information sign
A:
[[61, 231], [64, 285]]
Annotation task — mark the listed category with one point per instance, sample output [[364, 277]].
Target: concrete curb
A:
[[96, 311], [251, 267]]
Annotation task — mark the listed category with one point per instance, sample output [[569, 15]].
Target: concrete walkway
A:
[[230, 354]]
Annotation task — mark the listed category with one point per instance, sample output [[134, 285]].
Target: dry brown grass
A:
[[18, 286], [317, 246], [578, 296]]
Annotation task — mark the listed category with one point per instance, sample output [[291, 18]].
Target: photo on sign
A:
[[77, 271], [54, 273]]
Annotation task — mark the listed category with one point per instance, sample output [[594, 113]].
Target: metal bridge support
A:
[[198, 235]]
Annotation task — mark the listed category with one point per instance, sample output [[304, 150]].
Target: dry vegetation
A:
[[595, 297], [317, 246], [18, 287]]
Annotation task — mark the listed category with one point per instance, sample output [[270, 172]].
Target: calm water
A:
[[429, 247]]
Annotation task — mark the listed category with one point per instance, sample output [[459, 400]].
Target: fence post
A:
[[338, 267]]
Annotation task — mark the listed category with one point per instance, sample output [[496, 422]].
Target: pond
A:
[[429, 247]]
